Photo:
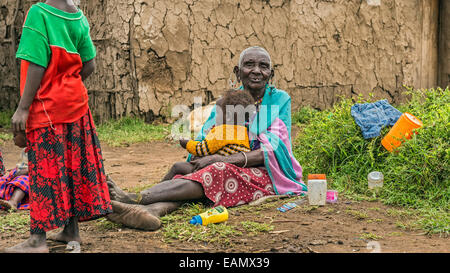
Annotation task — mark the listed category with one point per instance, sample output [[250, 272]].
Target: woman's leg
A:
[[172, 190], [156, 201], [166, 191], [141, 217]]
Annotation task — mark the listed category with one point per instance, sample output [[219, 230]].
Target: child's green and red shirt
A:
[[60, 42]]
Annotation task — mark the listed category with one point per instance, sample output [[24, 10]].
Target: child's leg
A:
[[182, 167], [69, 233], [13, 203]]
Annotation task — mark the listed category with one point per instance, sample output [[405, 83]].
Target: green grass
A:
[[18, 222], [130, 130], [416, 176], [5, 119], [5, 125], [176, 227]]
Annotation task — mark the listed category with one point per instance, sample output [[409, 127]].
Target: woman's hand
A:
[[19, 120], [205, 161]]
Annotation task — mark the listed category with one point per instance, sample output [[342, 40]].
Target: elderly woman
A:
[[269, 168]]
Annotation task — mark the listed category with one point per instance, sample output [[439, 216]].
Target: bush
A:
[[416, 176]]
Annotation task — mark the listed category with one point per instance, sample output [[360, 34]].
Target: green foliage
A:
[[18, 222], [130, 130], [5, 119], [416, 175]]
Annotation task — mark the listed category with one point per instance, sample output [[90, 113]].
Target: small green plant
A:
[[253, 228], [104, 224], [360, 215], [370, 236]]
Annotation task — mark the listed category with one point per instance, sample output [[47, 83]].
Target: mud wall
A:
[[155, 54]]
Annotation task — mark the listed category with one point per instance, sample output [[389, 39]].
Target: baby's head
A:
[[20, 139], [234, 106]]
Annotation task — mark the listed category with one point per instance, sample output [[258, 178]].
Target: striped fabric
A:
[[233, 149], [225, 139], [9, 183]]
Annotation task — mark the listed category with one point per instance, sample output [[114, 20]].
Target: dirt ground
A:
[[348, 226]]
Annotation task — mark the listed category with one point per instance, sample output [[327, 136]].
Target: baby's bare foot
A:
[[7, 205]]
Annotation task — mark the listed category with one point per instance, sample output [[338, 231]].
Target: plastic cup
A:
[[402, 128], [332, 196], [375, 180]]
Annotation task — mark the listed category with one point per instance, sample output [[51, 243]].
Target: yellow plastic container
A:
[[215, 215], [402, 128]]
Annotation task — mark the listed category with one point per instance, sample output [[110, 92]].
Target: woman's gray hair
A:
[[254, 48]]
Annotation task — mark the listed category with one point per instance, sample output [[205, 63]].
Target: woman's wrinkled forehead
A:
[[254, 49]]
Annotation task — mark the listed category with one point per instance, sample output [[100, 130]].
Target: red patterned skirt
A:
[[67, 178], [228, 185]]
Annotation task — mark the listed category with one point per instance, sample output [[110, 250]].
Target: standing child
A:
[[67, 178]]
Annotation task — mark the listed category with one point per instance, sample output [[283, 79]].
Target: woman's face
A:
[[255, 71]]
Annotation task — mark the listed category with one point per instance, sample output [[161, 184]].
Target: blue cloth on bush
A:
[[372, 117]]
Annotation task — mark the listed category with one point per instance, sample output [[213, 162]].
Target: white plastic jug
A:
[[317, 189]]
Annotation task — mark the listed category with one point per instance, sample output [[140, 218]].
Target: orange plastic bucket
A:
[[402, 129]]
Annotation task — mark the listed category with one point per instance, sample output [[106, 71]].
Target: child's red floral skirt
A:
[[228, 185], [67, 177]]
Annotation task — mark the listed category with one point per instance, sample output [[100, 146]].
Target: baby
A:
[[229, 136], [14, 186]]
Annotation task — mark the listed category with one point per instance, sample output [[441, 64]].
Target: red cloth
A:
[[67, 177], [228, 185], [62, 96]]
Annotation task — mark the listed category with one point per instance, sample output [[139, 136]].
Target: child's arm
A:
[[88, 69], [33, 81], [204, 147]]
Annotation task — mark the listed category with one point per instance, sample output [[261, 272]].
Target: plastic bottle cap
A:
[[196, 220], [316, 176], [375, 176]]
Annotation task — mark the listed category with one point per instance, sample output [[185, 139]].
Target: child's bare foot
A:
[[7, 205], [35, 244]]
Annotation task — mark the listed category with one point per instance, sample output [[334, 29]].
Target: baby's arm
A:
[[205, 147]]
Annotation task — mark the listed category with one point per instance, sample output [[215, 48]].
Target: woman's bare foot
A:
[[134, 216], [7, 205], [118, 194], [35, 244]]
